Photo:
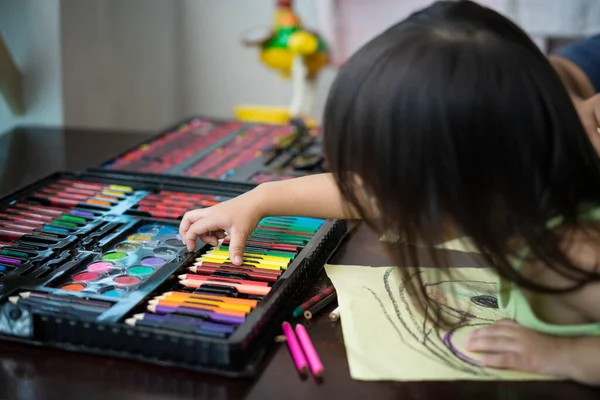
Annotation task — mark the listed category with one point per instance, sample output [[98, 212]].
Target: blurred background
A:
[[145, 64]]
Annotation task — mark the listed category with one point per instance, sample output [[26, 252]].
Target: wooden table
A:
[[36, 373]]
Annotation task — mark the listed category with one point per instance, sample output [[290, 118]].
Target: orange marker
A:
[[222, 304], [231, 300]]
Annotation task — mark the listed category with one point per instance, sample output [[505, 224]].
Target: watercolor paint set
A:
[[94, 263], [227, 150]]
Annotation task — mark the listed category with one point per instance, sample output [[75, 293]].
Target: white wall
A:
[[30, 29], [219, 72], [121, 61], [145, 64]]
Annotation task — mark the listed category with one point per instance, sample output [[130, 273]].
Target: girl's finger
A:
[[492, 344], [501, 361], [200, 228], [188, 219]]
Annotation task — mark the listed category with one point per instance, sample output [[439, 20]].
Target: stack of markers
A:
[[172, 205], [71, 193], [216, 296]]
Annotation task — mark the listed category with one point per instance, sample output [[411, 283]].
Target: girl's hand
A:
[[238, 217], [510, 346]]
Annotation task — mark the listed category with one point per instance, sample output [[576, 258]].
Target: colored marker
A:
[[308, 314], [192, 312], [298, 311], [198, 306], [167, 320], [222, 279], [248, 289], [219, 303], [251, 303], [247, 263], [295, 348], [309, 350]]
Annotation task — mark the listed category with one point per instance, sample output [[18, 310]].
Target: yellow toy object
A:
[[295, 53]]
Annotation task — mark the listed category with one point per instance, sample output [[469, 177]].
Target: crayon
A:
[[309, 350], [170, 318], [248, 289], [298, 311], [192, 312], [308, 314], [295, 348], [251, 303], [199, 306], [220, 279]]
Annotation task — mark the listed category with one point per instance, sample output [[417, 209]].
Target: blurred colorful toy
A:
[[295, 53]]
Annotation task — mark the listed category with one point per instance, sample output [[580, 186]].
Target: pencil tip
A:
[[13, 299], [130, 321]]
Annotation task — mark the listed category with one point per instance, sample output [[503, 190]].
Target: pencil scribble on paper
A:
[[428, 340]]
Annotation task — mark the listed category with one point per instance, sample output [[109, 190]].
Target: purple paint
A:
[[197, 312], [9, 260], [189, 320], [153, 261], [83, 214]]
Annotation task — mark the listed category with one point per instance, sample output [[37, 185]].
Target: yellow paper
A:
[[387, 339]]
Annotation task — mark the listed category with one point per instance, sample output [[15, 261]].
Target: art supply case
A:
[[102, 263], [228, 150]]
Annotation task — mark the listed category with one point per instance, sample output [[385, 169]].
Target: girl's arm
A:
[[314, 196]]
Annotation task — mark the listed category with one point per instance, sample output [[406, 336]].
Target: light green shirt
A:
[[513, 302]]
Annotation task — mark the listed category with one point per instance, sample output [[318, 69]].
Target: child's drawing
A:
[[388, 338]]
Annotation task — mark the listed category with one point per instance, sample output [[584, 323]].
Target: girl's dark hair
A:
[[453, 119]]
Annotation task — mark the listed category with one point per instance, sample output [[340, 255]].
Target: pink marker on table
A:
[[311, 354], [295, 349]]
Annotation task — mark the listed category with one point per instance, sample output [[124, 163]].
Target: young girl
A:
[[454, 121]]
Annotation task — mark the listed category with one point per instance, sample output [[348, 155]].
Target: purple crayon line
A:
[[194, 312]]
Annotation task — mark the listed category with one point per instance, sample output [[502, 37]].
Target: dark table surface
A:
[[28, 372]]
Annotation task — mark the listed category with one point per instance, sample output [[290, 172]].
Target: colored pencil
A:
[[250, 273], [198, 306], [309, 350], [335, 314], [251, 303], [298, 311], [295, 348], [192, 312], [200, 323], [175, 326], [248, 289], [308, 314], [222, 279]]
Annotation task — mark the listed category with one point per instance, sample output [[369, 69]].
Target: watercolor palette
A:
[[226, 150], [129, 263]]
